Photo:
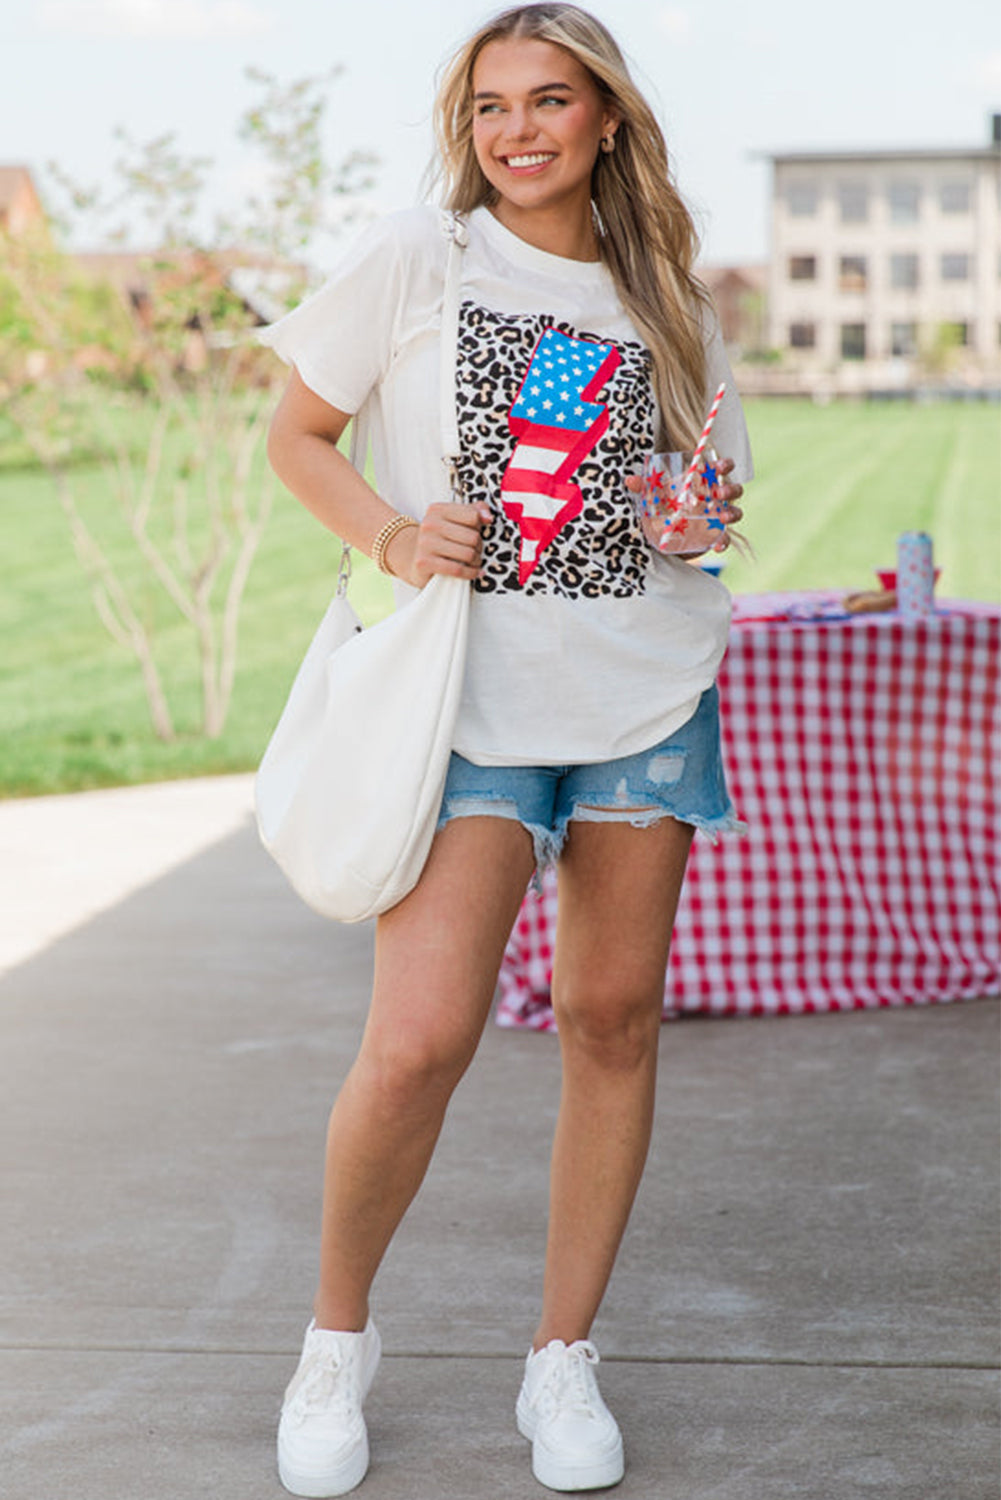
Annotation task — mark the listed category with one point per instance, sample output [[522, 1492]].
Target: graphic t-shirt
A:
[[584, 644]]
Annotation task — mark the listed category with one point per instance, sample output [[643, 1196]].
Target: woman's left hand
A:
[[729, 494]]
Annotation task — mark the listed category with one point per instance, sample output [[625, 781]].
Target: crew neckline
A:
[[531, 257]]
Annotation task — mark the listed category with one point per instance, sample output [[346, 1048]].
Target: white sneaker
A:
[[576, 1443], [322, 1441]]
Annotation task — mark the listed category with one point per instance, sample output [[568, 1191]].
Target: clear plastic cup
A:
[[677, 518]]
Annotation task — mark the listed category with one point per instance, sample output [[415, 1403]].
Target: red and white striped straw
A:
[[707, 429], [686, 482]]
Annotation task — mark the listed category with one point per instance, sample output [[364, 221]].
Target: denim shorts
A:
[[681, 778]]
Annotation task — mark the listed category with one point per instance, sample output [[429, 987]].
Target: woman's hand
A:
[[729, 494], [448, 541]]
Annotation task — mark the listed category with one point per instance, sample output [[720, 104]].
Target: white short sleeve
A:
[[341, 339], [729, 434]]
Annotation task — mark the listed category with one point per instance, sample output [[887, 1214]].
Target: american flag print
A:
[[557, 422]]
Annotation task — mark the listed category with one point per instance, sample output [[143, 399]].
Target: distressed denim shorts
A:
[[681, 778]]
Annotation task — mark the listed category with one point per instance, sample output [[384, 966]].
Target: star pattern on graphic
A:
[[575, 371]]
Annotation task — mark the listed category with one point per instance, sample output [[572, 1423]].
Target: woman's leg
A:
[[618, 894], [438, 954]]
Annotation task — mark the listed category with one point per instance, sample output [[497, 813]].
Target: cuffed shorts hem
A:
[[681, 777]]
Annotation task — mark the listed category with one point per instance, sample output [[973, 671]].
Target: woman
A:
[[587, 732]]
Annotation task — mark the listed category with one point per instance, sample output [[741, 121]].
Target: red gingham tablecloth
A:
[[863, 754]]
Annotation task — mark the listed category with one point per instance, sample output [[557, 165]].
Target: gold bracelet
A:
[[385, 536]]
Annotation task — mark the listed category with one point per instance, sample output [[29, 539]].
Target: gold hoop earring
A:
[[608, 143]]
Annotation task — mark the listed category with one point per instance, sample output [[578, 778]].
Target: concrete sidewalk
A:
[[805, 1305]]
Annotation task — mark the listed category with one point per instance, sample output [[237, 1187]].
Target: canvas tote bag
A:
[[349, 789]]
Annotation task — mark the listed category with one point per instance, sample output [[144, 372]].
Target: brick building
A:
[[20, 206]]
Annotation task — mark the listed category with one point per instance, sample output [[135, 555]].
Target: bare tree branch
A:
[[181, 441]]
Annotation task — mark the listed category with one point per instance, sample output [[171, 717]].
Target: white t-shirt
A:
[[584, 645]]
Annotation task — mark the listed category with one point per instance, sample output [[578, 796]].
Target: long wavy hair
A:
[[645, 233]]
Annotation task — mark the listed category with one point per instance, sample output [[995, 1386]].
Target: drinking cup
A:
[[682, 517]]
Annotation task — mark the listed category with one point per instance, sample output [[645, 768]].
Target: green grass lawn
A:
[[835, 487]]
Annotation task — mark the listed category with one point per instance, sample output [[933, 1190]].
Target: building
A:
[[739, 296], [886, 267], [20, 207], [259, 286]]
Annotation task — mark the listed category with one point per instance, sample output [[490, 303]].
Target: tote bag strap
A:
[[454, 226]]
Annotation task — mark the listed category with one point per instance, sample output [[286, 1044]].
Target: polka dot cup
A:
[[915, 575]]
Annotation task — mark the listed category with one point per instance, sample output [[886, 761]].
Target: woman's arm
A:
[[302, 449]]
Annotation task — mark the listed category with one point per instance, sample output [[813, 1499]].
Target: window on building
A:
[[956, 267], [904, 270], [801, 199], [956, 335], [853, 202], [853, 341], [903, 340], [802, 335], [905, 202], [955, 196], [852, 273], [802, 268]]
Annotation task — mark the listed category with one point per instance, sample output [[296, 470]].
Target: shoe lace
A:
[[569, 1385], [326, 1383]]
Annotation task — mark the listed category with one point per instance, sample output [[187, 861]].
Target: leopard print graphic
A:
[[602, 551]]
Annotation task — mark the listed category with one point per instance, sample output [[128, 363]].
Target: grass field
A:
[[834, 488]]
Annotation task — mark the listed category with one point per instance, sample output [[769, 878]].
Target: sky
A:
[[731, 81]]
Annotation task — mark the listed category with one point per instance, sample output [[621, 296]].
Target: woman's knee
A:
[[615, 1021], [412, 1068]]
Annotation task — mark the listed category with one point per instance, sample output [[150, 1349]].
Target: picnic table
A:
[[862, 751]]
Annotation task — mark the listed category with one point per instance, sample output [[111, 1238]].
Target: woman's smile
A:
[[528, 162]]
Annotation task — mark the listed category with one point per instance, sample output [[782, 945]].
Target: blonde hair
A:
[[646, 234]]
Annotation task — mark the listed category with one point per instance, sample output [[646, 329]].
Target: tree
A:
[[148, 364]]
